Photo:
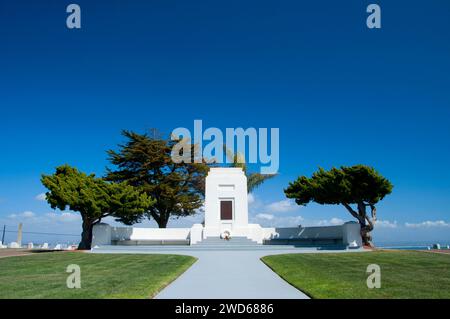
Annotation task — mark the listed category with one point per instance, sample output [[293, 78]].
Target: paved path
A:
[[224, 274], [228, 275]]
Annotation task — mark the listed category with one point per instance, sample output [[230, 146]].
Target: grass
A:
[[102, 276], [404, 274]]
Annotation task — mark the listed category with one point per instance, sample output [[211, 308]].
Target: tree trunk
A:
[[365, 235], [86, 235], [366, 225], [162, 222]]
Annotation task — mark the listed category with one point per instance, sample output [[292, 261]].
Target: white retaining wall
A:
[[349, 232], [103, 234]]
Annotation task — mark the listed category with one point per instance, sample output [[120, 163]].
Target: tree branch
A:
[[350, 209], [373, 212], [370, 226]]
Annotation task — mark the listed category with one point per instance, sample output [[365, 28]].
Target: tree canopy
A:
[[145, 162], [360, 185], [94, 198]]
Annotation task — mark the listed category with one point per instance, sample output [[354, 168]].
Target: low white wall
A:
[[319, 232], [121, 233], [325, 232], [196, 234], [255, 232], [268, 232], [101, 234], [160, 233], [322, 232], [352, 234], [133, 233], [348, 232]]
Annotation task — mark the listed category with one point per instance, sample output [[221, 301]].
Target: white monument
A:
[[226, 203]]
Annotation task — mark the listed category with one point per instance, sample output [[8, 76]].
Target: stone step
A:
[[232, 238], [228, 241], [179, 249], [225, 245], [234, 241], [221, 247]]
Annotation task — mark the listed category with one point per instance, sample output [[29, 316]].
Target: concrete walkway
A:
[[228, 275], [224, 274]]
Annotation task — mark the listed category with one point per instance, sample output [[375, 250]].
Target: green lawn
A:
[[404, 274], [102, 276]]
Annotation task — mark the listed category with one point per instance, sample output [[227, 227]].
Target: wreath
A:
[[226, 235]]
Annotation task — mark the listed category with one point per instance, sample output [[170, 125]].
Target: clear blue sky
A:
[[340, 93]]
